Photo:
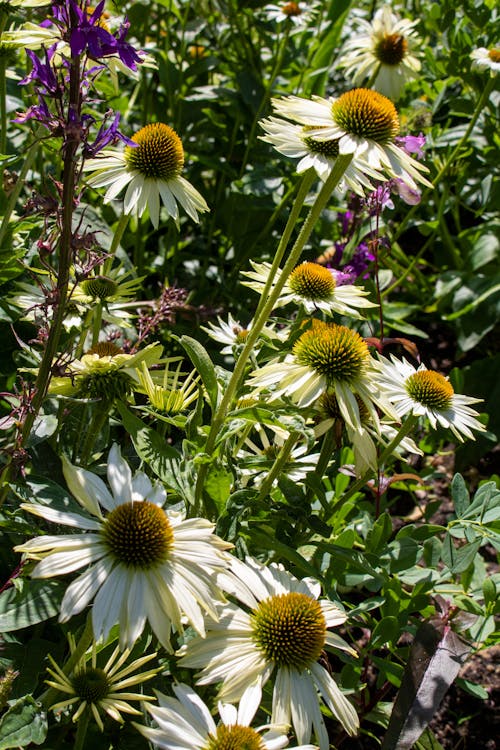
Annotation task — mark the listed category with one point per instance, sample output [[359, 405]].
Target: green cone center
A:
[[366, 114], [430, 388], [99, 287], [289, 629], [159, 155], [138, 534], [312, 282], [235, 737], [391, 49], [333, 351], [329, 148], [91, 685]]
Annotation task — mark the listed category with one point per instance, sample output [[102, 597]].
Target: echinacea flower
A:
[[298, 14], [185, 723], [365, 123], [281, 633], [295, 141], [326, 357], [427, 393], [149, 170], [101, 689], [233, 334], [314, 287], [104, 372], [169, 397], [382, 53], [486, 58], [141, 561]]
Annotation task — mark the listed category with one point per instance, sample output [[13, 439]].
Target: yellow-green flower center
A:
[[138, 534], [333, 351], [366, 114], [391, 49], [99, 287], [291, 9], [289, 629], [241, 334], [312, 282], [430, 388], [107, 381], [329, 148], [494, 55], [159, 155], [235, 737], [91, 685]]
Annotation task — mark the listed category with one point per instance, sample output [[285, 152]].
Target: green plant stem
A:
[[279, 463], [50, 695], [118, 234], [453, 156], [404, 430], [81, 730], [341, 164], [96, 424], [11, 203], [3, 109], [327, 448], [96, 322], [304, 188]]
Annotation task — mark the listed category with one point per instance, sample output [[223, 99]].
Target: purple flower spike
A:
[[42, 74], [107, 135]]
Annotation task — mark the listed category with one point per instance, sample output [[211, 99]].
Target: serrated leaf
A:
[[24, 723], [36, 602], [204, 366], [436, 655]]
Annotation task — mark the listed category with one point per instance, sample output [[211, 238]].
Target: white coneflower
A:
[[295, 141], [365, 123], [185, 723], [382, 53], [150, 171], [327, 357], [427, 393], [233, 333], [143, 563], [314, 287], [101, 689], [283, 634], [299, 14], [487, 58]]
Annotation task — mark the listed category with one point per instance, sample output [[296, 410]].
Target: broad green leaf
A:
[[37, 601], [385, 631], [23, 724], [379, 534], [459, 495], [458, 559], [218, 486], [204, 366]]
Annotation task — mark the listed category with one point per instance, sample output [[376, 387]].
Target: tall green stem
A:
[[279, 463], [341, 164]]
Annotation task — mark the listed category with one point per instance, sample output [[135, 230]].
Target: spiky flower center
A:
[[329, 148], [366, 114], [235, 737], [312, 282], [391, 49], [430, 388], [291, 9], [99, 287], [289, 629], [240, 334], [91, 685], [106, 381], [329, 407], [159, 155], [138, 534], [494, 55], [334, 351], [105, 349]]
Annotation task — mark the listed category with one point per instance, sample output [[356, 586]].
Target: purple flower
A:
[[125, 51], [409, 195], [412, 144], [107, 134], [42, 74]]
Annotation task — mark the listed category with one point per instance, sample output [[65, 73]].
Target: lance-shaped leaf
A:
[[436, 655]]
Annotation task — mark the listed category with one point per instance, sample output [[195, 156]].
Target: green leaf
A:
[[385, 631], [36, 602], [458, 559], [379, 534], [24, 723], [459, 495], [204, 366], [478, 691], [218, 486], [489, 591], [428, 741]]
